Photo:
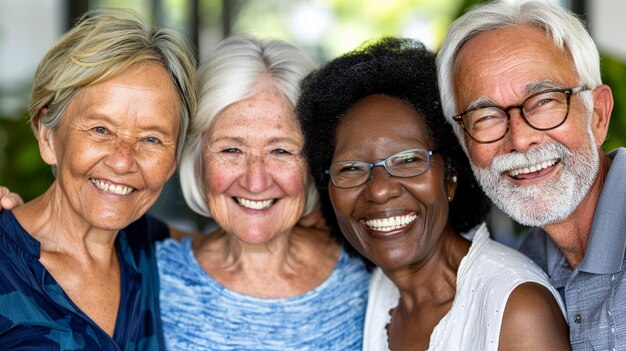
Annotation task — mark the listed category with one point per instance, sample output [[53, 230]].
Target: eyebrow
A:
[[244, 141], [277, 140], [530, 88]]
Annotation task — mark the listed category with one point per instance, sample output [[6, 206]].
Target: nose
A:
[[521, 136], [257, 177], [122, 157], [382, 186]]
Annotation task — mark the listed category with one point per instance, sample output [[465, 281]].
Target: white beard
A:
[[550, 201]]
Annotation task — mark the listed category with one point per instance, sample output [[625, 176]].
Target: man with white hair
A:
[[520, 82]]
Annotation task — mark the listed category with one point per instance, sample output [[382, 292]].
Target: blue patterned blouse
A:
[[35, 313], [200, 314]]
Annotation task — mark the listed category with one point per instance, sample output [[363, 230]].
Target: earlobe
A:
[[602, 108], [452, 183], [46, 140]]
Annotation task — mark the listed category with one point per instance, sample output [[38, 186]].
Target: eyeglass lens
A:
[[542, 111], [408, 163]]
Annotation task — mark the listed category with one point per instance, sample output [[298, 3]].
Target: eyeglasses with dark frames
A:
[[543, 111], [403, 164]]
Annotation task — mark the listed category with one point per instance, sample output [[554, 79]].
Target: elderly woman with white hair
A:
[[259, 281]]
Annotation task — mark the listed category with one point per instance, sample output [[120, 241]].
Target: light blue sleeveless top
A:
[[200, 314]]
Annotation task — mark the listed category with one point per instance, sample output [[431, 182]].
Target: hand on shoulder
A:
[[9, 200]]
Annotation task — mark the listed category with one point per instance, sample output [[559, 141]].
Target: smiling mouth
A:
[[522, 172], [254, 205], [390, 223], [112, 188]]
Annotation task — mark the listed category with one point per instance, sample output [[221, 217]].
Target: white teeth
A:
[[112, 188], [533, 168], [255, 205], [390, 223]]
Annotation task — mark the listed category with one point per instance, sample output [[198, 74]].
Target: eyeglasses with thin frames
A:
[[403, 164], [543, 111]]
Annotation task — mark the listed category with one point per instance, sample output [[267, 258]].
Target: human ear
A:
[[602, 108], [45, 136], [451, 186]]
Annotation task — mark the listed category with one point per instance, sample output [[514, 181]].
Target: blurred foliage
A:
[[21, 167], [614, 75], [328, 28]]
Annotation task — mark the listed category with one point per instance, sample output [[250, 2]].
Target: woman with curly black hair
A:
[[395, 182]]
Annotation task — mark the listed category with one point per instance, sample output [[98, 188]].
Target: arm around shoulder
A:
[[533, 321]]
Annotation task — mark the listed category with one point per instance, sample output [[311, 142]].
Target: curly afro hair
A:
[[400, 68]]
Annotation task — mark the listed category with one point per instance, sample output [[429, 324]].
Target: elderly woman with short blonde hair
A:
[[111, 102]]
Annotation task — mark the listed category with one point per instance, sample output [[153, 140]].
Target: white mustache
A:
[[533, 156]]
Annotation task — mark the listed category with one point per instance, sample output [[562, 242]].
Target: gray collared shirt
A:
[[595, 292]]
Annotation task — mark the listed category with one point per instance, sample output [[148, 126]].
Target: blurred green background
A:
[[324, 28]]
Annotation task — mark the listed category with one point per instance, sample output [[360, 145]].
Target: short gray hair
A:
[[562, 26], [231, 74], [104, 43]]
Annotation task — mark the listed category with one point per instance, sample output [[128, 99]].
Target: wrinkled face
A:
[[116, 146], [392, 221], [537, 177], [256, 176]]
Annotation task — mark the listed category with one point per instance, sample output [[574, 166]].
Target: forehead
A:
[[144, 93], [381, 119], [264, 113], [499, 64]]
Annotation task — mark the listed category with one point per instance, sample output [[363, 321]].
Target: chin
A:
[[391, 263], [112, 221]]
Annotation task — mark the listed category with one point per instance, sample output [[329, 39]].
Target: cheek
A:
[[77, 158], [342, 203], [219, 175], [296, 183], [438, 206], [481, 154], [572, 135], [291, 177], [159, 168]]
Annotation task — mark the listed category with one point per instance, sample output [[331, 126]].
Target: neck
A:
[[434, 280], [572, 234], [288, 265], [60, 230]]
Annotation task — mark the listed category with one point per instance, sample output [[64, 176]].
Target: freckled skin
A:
[[498, 65], [123, 131], [253, 151]]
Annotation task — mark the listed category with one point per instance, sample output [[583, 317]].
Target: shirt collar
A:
[[558, 269], [607, 240]]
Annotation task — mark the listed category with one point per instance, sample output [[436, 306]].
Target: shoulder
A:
[[499, 259], [14, 240], [139, 237], [352, 264], [497, 270], [533, 316], [172, 254], [348, 281]]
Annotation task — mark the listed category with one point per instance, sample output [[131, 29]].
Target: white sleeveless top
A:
[[486, 278]]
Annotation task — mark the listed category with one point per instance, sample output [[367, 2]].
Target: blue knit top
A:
[[200, 314]]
